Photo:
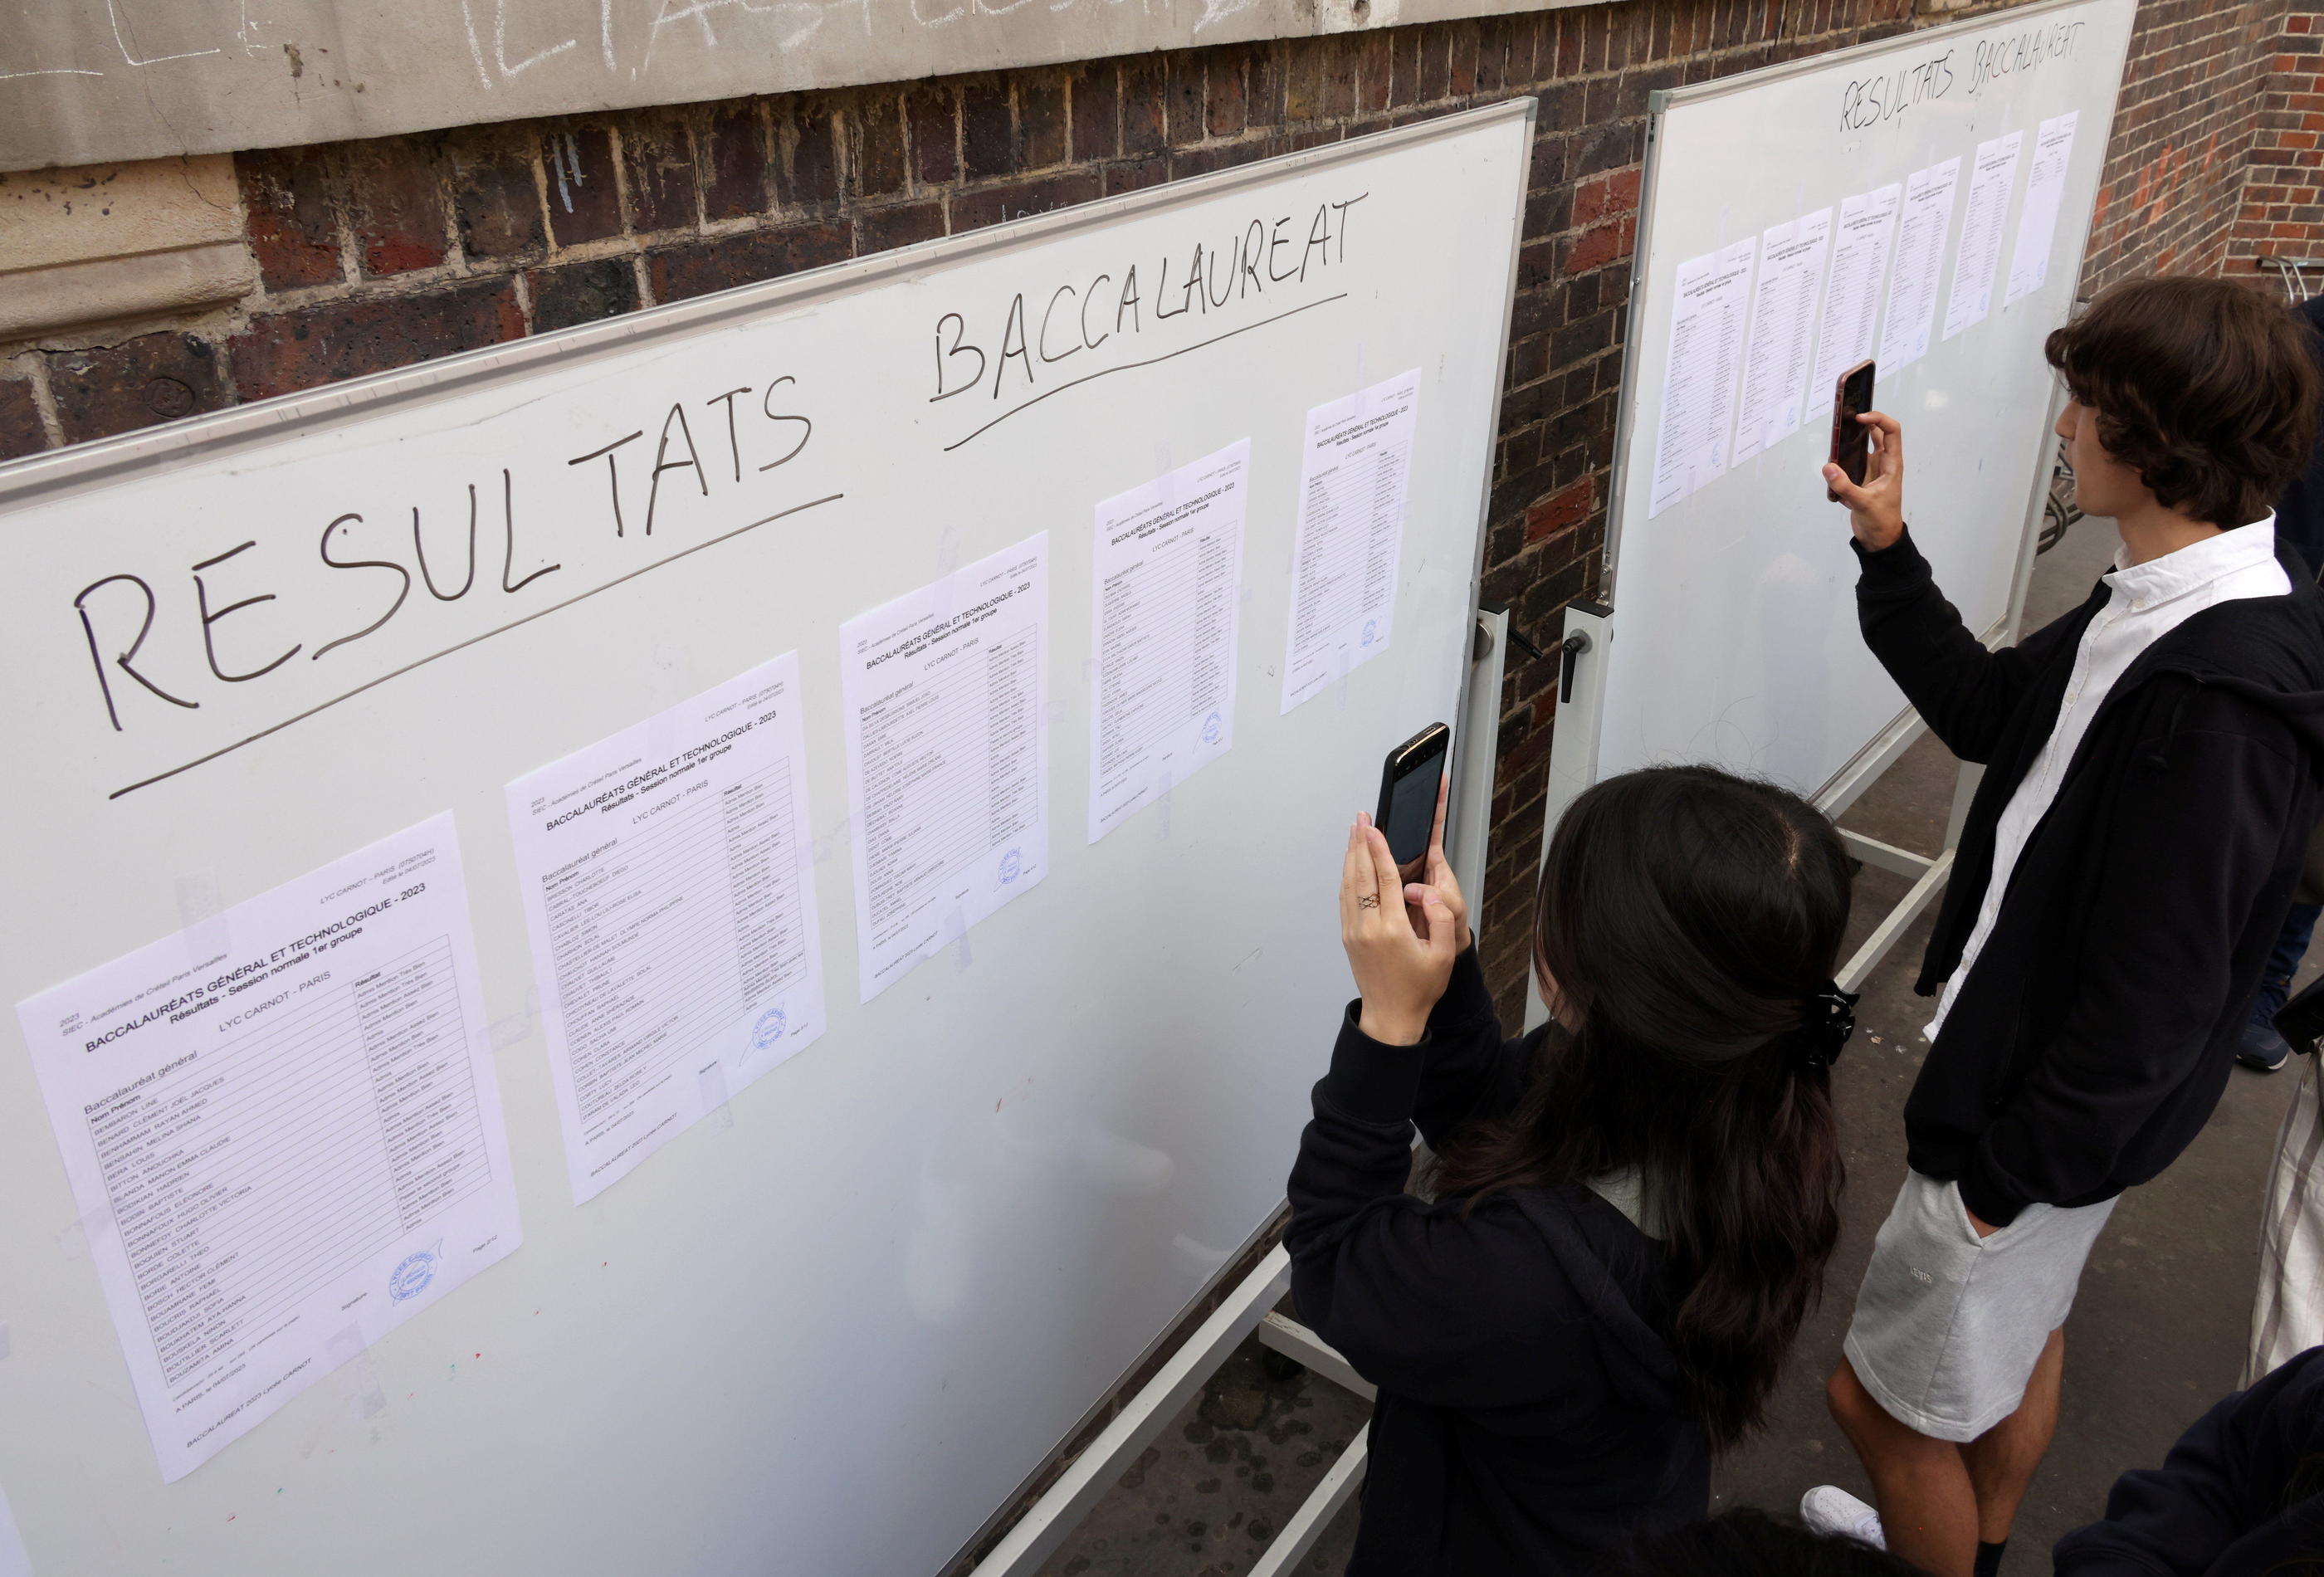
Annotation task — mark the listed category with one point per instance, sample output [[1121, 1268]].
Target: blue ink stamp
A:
[[768, 1029], [1212, 726], [1371, 631], [409, 1279], [1011, 864]]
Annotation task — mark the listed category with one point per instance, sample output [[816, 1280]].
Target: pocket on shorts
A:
[[1961, 1218]]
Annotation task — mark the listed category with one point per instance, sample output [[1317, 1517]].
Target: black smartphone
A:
[[1407, 800], [1850, 438]]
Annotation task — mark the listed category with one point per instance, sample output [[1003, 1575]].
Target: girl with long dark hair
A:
[[1632, 1206]]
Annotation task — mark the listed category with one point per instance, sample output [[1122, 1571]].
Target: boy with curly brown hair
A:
[[2153, 764]]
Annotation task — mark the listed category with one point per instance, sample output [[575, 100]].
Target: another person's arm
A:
[[2180, 1517], [1964, 692], [1409, 1292]]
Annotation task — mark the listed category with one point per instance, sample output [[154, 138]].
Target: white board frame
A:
[[71, 473], [1576, 747]]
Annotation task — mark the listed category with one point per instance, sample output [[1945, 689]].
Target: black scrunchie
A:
[[1826, 1021]]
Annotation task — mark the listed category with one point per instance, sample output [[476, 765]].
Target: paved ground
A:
[[2157, 1335]]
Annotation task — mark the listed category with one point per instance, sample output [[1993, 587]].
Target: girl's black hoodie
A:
[[1529, 1419]]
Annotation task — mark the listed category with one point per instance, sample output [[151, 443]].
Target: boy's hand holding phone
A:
[[1876, 507]]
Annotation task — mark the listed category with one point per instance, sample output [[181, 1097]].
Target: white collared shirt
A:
[[2145, 602]]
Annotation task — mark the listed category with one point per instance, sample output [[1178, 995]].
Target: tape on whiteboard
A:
[[75, 1240], [1162, 799], [957, 925], [830, 843], [716, 1112], [201, 915], [517, 1027], [669, 679], [350, 1354]]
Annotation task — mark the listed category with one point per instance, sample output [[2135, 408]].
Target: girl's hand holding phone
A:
[[1400, 972], [1875, 509]]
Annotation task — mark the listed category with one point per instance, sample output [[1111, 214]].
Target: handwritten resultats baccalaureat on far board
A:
[[282, 1132], [670, 891], [1167, 591], [946, 699]]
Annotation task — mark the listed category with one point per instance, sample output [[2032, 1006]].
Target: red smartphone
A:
[[1850, 438]]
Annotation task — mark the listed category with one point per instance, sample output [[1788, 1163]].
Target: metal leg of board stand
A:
[[1928, 873], [1344, 1478], [1249, 1306], [1045, 1525]]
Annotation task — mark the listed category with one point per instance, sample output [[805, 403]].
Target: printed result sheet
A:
[[2037, 221], [669, 893], [1354, 471], [1167, 576], [1912, 317], [1783, 332], [282, 1132], [946, 693], [1851, 303], [1713, 292], [1991, 174]]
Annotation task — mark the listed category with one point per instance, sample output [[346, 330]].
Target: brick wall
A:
[[2182, 138], [376, 254], [2282, 213]]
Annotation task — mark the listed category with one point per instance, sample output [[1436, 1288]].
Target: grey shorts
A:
[[1949, 1325]]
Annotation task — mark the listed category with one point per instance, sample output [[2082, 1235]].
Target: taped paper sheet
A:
[[1912, 317], [1991, 175], [1355, 470], [1168, 578], [288, 1133], [2045, 189], [946, 693], [1706, 354], [1783, 332], [670, 891], [1851, 303]]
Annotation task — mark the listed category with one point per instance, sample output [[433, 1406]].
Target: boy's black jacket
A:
[[2241, 1495], [1530, 1419], [2096, 1027]]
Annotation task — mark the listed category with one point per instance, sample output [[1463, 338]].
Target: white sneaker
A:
[[1828, 1508]]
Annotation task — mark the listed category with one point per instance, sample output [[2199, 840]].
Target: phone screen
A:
[[1850, 438], [1408, 809]]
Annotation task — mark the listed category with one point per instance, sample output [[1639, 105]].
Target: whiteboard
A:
[[836, 1334], [1734, 633]]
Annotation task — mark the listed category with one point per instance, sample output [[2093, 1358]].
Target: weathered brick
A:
[[395, 205], [885, 229], [1094, 109], [1226, 109], [21, 432], [581, 292], [280, 352], [585, 203], [492, 194], [700, 267], [658, 158], [932, 114], [736, 156], [878, 166], [1145, 105], [292, 222], [987, 137], [1041, 140], [139, 383], [1263, 85], [1562, 510], [808, 173]]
